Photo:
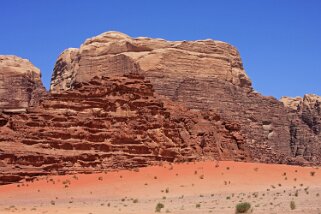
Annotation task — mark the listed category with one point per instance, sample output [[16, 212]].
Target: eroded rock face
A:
[[120, 102], [161, 62], [20, 84], [309, 109], [204, 75], [111, 122]]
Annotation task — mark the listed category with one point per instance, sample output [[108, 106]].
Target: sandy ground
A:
[[201, 187]]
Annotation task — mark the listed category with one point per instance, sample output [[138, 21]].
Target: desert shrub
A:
[[292, 205], [243, 207], [198, 205], [159, 206]]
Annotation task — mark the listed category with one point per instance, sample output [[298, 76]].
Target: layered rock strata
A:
[[204, 75], [107, 123]]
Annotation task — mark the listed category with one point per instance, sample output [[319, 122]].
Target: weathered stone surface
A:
[[309, 109], [205, 75], [111, 122], [20, 83], [65, 68], [161, 61], [120, 102]]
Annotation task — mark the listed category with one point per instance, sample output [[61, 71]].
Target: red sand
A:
[[216, 189]]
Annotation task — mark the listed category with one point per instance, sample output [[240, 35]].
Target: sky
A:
[[279, 40]]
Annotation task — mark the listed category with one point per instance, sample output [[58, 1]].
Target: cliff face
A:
[[121, 102], [161, 62], [111, 122], [20, 84], [204, 75], [308, 108]]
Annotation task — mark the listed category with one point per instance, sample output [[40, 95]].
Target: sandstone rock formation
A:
[[204, 75], [121, 102], [20, 84], [110, 122], [161, 61], [309, 109]]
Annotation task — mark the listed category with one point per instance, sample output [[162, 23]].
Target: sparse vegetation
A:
[[159, 207], [292, 205], [243, 207]]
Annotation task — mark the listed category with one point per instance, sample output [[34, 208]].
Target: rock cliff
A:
[[161, 61], [20, 84], [122, 102], [308, 108], [204, 75], [107, 123]]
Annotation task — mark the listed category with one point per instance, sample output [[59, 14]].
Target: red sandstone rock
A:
[[121, 102], [110, 122], [309, 109], [204, 75]]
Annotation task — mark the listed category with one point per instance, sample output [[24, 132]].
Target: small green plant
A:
[[292, 205], [198, 205], [135, 201], [243, 207], [159, 207]]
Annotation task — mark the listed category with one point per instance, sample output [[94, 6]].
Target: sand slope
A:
[[201, 187]]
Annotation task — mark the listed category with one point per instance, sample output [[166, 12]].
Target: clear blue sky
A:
[[279, 40]]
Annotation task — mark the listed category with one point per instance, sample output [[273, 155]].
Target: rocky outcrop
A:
[[122, 102], [204, 75], [111, 122], [309, 109], [20, 84], [162, 62]]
